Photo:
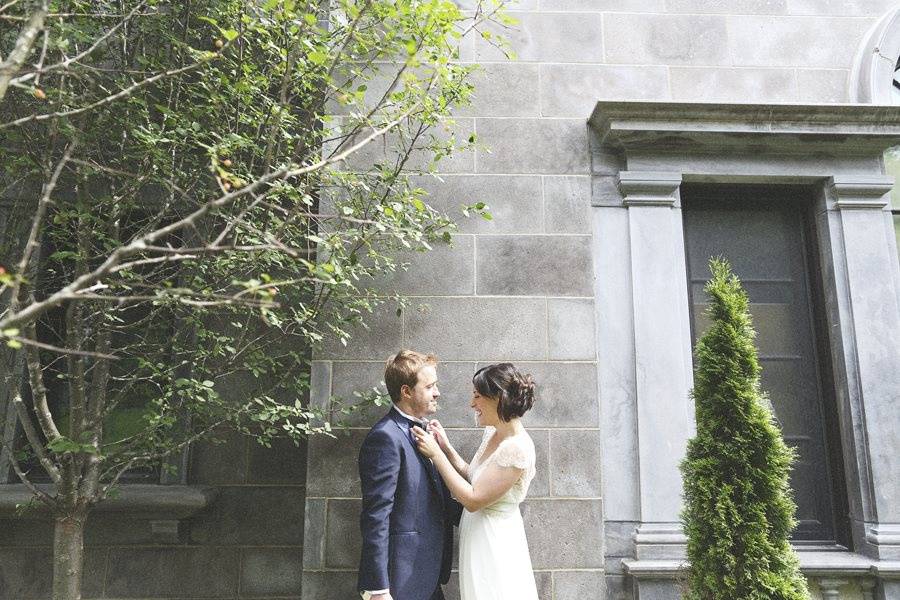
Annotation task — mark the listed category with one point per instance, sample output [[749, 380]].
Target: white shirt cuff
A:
[[368, 594]]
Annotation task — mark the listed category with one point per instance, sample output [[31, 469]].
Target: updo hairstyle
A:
[[503, 382]]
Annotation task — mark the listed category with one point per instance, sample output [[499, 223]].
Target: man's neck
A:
[[404, 413]]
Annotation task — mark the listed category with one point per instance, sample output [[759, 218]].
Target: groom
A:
[[407, 514]]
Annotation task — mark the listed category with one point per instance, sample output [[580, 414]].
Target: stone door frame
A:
[[642, 152]]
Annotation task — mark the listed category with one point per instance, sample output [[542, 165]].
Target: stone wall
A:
[[520, 287], [248, 543]]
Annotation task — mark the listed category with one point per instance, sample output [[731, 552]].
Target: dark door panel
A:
[[762, 232]]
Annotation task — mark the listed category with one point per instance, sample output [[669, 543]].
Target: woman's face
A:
[[485, 409]]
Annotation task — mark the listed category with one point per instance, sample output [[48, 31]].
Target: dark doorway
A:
[[765, 232]]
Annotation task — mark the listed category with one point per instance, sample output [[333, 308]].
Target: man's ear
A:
[[405, 392]]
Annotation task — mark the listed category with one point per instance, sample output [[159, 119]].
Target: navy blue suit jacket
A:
[[407, 515]]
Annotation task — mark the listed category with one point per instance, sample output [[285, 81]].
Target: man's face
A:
[[422, 399]]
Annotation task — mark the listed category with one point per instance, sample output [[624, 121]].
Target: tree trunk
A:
[[68, 557]]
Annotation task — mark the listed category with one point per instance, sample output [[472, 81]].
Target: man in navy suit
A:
[[407, 514]]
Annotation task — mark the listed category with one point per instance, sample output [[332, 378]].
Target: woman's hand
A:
[[426, 443], [437, 430]]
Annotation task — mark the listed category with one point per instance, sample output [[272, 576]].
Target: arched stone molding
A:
[[871, 80]]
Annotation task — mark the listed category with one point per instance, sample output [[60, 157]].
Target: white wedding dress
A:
[[494, 563]]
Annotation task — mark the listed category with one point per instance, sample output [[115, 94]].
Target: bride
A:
[[494, 563]]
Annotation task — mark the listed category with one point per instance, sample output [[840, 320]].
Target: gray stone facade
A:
[[579, 279]]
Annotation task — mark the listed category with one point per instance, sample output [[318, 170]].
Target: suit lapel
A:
[[405, 430]]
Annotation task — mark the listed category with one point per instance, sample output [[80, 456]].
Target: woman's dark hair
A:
[[513, 390]]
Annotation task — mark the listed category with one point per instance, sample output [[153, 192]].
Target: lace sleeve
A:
[[516, 453]]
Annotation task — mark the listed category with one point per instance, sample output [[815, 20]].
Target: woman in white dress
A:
[[494, 563]]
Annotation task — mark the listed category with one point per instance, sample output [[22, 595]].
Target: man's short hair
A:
[[403, 369]]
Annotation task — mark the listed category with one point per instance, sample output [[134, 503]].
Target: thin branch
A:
[[113, 97], [38, 390], [71, 291], [22, 49], [34, 438], [23, 477], [63, 64], [60, 350], [36, 224]]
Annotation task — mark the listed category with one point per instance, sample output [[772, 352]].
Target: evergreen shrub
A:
[[739, 509]]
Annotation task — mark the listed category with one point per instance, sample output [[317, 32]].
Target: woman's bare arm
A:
[[490, 486]]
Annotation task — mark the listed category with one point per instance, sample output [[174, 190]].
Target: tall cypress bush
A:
[[738, 506]]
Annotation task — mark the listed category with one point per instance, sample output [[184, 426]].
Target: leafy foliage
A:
[[232, 176], [738, 508]]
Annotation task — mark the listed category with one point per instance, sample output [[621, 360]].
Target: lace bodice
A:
[[515, 451]]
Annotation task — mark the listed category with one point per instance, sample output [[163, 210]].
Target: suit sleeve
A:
[[379, 468]]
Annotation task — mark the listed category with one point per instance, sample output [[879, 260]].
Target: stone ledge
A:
[[138, 501], [700, 127], [815, 564]]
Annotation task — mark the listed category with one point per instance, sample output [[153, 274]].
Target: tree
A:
[[738, 508], [200, 192]]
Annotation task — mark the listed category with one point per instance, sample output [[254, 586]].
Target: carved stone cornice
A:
[[649, 188], [835, 130], [858, 193]]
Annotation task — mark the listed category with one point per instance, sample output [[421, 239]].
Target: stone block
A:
[[565, 394], [28, 532], [871, 8], [534, 265], [284, 462], [385, 148], [119, 531], [571, 329], [567, 204], [658, 589], [619, 587], [551, 146], [705, 84], [513, 5], [176, 571], [342, 536], [221, 462], [548, 37], [27, 573], [314, 533], [333, 467], [665, 39], [466, 441], [381, 336], [276, 517], [479, 328], [330, 585], [630, 6], [795, 41], [504, 90], [445, 270], [540, 485], [513, 201], [271, 572], [573, 90], [734, 7], [605, 191], [575, 463], [564, 534], [822, 85], [618, 538], [543, 581], [577, 585]]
